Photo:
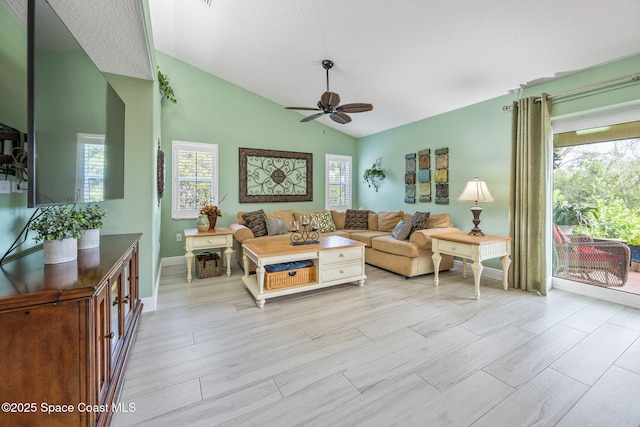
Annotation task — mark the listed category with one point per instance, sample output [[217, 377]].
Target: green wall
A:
[[138, 212], [212, 110], [479, 142]]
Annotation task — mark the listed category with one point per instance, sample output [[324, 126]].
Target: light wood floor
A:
[[394, 352]]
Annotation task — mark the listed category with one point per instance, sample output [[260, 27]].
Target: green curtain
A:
[[530, 178]]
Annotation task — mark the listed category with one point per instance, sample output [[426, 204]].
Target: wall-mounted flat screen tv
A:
[[75, 118]]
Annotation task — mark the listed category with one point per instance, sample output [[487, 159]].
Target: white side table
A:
[[219, 238], [475, 248]]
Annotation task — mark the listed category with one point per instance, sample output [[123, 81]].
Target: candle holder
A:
[[305, 231]]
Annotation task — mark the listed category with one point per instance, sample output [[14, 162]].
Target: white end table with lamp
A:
[[474, 245]]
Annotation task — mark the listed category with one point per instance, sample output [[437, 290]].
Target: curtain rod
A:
[[633, 78]]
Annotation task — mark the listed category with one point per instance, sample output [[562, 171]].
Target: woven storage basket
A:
[[283, 279], [208, 264]]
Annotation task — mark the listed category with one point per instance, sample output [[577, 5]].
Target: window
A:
[[90, 168], [338, 182], [195, 178]]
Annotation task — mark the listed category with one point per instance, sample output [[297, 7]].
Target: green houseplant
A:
[[374, 175], [165, 88], [90, 218], [569, 215], [59, 229]]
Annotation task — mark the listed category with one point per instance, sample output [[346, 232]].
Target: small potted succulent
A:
[[90, 219], [59, 229]]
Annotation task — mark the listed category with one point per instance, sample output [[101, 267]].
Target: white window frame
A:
[[338, 158], [176, 148], [83, 140]]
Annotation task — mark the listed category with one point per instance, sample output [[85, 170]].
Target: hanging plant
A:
[[375, 175], [165, 88]]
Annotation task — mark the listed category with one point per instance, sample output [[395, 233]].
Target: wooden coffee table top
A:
[[269, 248]]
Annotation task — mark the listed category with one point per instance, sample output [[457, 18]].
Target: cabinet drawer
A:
[[205, 242], [455, 248], [339, 256], [346, 272]]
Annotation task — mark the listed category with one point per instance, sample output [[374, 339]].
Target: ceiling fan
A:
[[329, 104]]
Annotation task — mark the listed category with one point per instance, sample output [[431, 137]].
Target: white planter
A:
[[90, 239], [56, 251]]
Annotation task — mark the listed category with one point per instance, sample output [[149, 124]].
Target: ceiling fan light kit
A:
[[329, 104]]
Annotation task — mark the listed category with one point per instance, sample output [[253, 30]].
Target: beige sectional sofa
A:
[[411, 257]]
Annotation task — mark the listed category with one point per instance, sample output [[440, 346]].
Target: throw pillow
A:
[[256, 222], [325, 222], [388, 220], [420, 220], [356, 220], [275, 226], [402, 230]]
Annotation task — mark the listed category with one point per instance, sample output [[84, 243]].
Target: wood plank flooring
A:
[[394, 352]]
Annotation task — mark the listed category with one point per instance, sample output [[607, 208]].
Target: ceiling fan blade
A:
[[341, 118], [356, 107], [330, 99], [302, 108], [312, 117]]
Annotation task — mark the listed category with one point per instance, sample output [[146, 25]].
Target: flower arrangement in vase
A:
[[212, 212]]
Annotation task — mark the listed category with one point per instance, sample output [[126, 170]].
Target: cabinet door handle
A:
[[109, 336], [126, 299], [115, 302]]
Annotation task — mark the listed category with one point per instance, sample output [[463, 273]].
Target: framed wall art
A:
[[442, 176], [275, 176]]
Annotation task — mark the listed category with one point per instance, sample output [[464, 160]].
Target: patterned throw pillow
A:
[[402, 230], [420, 220], [275, 226], [256, 222], [356, 220], [325, 222]]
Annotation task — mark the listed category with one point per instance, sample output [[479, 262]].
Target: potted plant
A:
[[166, 91], [58, 228], [90, 219], [568, 215], [374, 175]]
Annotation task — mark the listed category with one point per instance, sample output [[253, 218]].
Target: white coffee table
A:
[[337, 260]]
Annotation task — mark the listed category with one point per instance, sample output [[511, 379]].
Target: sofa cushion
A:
[[339, 219], [256, 222], [325, 222], [285, 214], [419, 221], [356, 220], [402, 230], [366, 236], [397, 247], [439, 221], [275, 226], [388, 220]]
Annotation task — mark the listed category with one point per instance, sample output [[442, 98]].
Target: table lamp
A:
[[476, 191]]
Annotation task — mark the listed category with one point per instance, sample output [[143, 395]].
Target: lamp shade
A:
[[476, 191]]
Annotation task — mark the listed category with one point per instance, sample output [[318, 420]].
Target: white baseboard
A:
[[151, 303], [174, 260]]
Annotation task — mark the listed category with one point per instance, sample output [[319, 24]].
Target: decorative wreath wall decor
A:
[[275, 176], [161, 172]]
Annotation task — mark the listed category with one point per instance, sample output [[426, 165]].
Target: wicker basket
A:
[[283, 279], [208, 264]]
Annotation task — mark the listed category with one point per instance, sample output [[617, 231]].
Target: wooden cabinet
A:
[[65, 333]]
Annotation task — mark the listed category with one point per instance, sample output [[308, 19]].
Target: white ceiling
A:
[[411, 59]]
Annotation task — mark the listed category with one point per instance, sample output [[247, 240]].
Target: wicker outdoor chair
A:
[[578, 257]]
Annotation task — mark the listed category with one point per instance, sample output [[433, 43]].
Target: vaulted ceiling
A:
[[411, 59]]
